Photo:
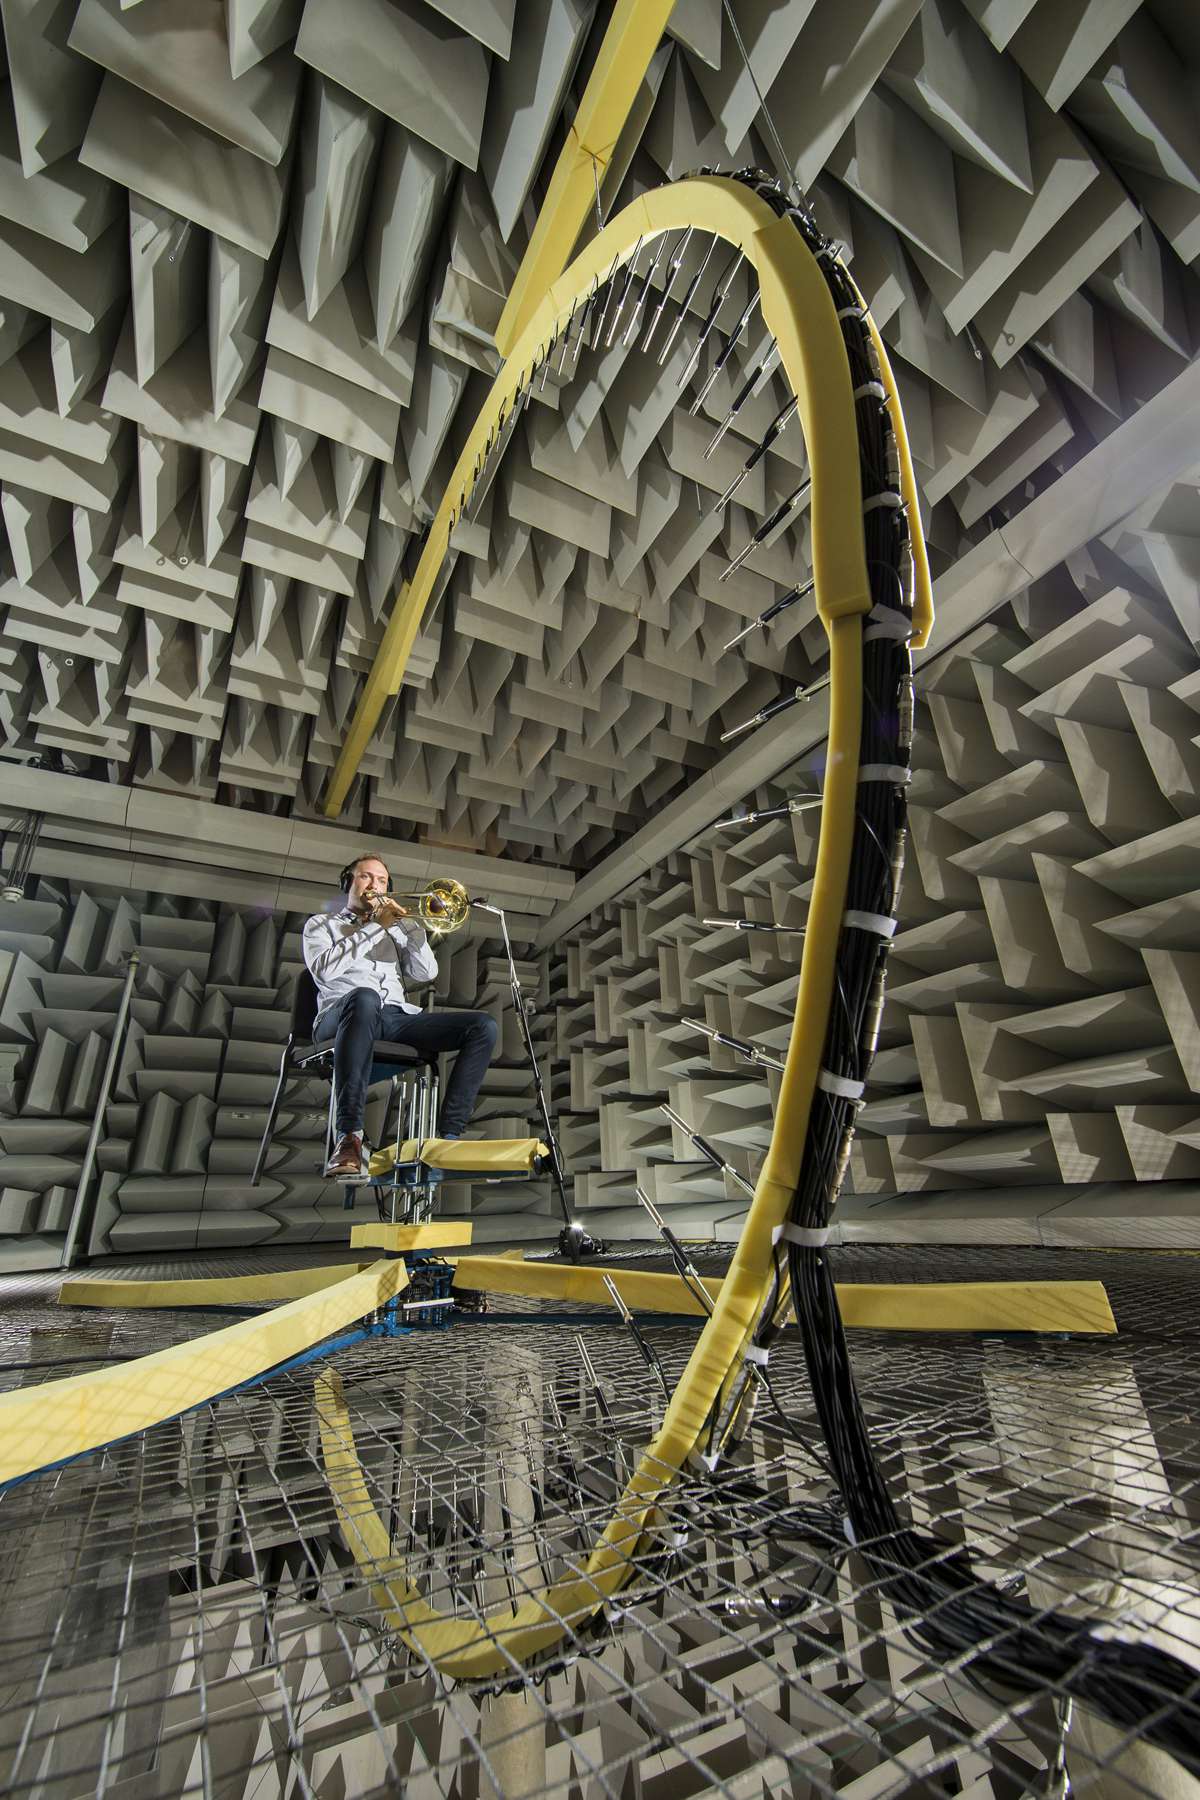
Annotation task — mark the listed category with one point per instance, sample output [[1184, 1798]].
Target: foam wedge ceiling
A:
[[252, 258]]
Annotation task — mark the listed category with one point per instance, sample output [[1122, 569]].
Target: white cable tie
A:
[[885, 772], [852, 312], [757, 1355], [805, 1237], [887, 622], [881, 924], [839, 1086], [887, 498], [870, 390], [848, 1528], [1113, 1634]]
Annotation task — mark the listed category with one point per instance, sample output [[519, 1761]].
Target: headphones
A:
[[347, 875]]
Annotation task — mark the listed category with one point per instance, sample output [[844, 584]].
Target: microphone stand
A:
[[571, 1232]]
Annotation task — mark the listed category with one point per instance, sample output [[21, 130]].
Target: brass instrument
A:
[[443, 906]]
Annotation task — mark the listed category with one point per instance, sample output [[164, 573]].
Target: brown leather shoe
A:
[[348, 1164]]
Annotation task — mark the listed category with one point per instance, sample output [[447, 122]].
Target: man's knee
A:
[[364, 1007], [484, 1030]]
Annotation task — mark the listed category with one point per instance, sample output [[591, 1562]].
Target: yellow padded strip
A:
[[56, 1419], [487, 1156], [798, 309], [642, 1290], [439, 1234], [633, 33], [460, 1647], [1077, 1306], [212, 1290]]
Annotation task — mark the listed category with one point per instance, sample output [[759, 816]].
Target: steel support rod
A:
[[80, 1212], [522, 1007]]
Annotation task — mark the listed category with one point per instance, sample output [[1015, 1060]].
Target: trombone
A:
[[443, 906]]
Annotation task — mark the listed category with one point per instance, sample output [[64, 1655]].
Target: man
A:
[[360, 959]]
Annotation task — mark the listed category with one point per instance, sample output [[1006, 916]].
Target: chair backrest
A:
[[304, 1007]]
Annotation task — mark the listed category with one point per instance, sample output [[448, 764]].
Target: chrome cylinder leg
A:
[[396, 1099], [424, 1132], [412, 1129], [330, 1115]]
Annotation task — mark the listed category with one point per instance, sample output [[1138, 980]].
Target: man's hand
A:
[[387, 912]]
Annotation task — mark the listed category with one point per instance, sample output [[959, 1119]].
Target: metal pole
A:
[[78, 1220], [519, 1003]]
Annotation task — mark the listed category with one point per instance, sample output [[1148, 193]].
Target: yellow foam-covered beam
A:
[[54, 1420], [439, 1234], [211, 1290], [509, 1635], [470, 1645], [639, 1288], [475, 1156], [798, 309], [1076, 1306], [633, 35]]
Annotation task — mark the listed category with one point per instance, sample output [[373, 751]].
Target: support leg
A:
[[272, 1115]]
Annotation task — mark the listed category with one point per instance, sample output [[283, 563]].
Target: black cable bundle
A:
[[948, 1611]]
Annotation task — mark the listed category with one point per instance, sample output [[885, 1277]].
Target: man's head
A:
[[366, 874]]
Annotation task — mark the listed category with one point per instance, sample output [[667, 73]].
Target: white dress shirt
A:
[[343, 953]]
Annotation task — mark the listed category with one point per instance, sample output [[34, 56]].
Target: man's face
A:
[[371, 876]]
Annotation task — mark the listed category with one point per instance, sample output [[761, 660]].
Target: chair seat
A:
[[382, 1051], [301, 1057]]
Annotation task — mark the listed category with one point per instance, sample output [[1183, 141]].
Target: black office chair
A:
[[303, 1059]]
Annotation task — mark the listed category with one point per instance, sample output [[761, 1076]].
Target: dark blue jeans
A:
[[358, 1019]]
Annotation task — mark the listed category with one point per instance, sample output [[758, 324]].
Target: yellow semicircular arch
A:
[[798, 310]]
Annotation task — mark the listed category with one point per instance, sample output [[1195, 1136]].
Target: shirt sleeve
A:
[[417, 961], [316, 943]]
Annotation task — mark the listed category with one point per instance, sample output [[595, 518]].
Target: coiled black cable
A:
[[946, 1609]]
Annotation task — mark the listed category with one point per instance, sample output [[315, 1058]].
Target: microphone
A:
[[486, 906]]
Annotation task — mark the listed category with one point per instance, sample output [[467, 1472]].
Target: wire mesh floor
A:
[[182, 1613]]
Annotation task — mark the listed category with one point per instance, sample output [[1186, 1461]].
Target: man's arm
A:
[[417, 961], [413, 953]]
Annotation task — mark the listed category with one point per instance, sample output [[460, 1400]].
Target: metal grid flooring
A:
[[181, 1613]]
